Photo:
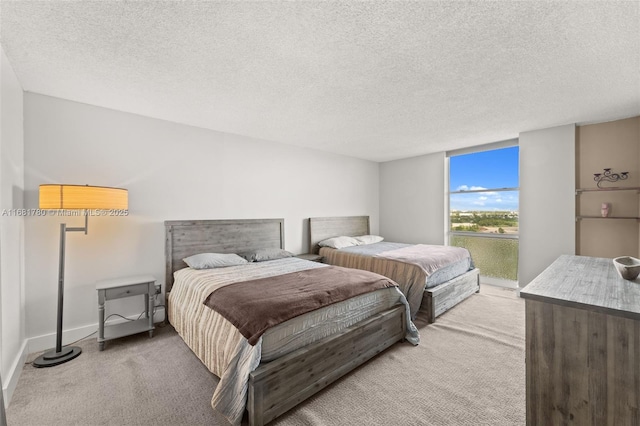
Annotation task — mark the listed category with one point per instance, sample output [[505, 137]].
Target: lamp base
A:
[[51, 358]]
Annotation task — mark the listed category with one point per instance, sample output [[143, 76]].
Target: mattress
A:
[[316, 325], [438, 277], [411, 279]]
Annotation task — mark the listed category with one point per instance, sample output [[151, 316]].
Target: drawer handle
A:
[[128, 291]]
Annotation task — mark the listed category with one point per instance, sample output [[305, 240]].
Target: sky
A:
[[485, 170]]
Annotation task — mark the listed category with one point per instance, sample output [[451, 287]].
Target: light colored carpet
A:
[[468, 370]]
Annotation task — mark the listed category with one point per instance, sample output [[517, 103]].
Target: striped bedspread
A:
[[398, 262], [216, 342]]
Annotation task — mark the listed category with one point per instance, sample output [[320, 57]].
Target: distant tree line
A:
[[475, 220]]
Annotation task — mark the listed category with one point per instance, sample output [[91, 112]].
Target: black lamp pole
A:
[[60, 355]]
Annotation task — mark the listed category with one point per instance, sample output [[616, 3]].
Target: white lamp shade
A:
[[82, 197]]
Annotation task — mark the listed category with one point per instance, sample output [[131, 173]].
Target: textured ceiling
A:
[[375, 80]]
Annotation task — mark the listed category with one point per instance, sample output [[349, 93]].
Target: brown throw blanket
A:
[[254, 306]]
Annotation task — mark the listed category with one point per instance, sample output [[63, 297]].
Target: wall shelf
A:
[[608, 217], [613, 188], [606, 147]]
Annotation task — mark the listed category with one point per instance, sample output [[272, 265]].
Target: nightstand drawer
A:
[[130, 290]]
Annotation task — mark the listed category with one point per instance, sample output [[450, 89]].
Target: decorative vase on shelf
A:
[[604, 209]]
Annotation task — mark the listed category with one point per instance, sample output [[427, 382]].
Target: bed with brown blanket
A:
[[276, 331], [433, 277]]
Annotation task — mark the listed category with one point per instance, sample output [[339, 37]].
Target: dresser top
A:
[[590, 283]]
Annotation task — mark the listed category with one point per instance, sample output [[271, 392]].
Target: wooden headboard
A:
[[184, 238], [321, 228]]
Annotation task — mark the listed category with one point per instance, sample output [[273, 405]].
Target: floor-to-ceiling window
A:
[[483, 208]]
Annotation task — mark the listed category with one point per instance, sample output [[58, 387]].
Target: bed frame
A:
[[435, 301], [277, 386]]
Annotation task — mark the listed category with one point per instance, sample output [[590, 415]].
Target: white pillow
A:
[[213, 260], [339, 242], [369, 239]]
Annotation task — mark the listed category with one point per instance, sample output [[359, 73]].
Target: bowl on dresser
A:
[[628, 267]]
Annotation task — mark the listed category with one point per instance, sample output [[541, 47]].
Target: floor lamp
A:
[[76, 197]]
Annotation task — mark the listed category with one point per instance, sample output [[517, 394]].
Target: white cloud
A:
[[487, 201], [470, 188]]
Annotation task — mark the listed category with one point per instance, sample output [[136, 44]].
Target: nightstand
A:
[[311, 257], [117, 289]]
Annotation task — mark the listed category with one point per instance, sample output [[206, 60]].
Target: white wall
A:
[[412, 201], [547, 199], [12, 303], [172, 172]]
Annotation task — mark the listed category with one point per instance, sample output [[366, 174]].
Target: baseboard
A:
[[48, 341], [498, 282], [11, 381]]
